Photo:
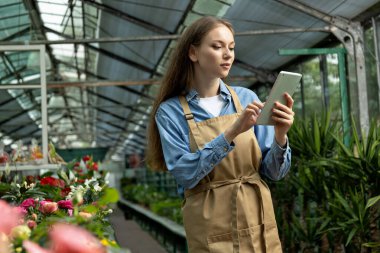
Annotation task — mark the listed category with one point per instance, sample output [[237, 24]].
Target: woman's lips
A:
[[225, 65]]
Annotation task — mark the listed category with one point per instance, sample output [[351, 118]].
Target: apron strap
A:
[[194, 131], [235, 99], [239, 109]]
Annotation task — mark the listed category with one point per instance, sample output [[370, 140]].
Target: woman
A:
[[204, 133]]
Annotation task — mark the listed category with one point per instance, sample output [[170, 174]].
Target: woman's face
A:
[[214, 56]]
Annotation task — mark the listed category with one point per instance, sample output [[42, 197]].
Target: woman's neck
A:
[[206, 87]]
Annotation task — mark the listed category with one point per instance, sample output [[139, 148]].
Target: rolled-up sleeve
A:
[[276, 160], [187, 167]]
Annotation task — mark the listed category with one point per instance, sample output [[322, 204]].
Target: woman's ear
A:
[[193, 53]]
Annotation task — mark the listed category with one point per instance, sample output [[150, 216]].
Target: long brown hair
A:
[[177, 81]]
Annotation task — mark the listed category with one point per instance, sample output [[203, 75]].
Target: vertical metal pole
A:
[[324, 81], [344, 98], [376, 39], [361, 80], [44, 105], [302, 95]]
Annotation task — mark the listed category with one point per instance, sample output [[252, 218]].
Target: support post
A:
[[42, 86], [376, 39]]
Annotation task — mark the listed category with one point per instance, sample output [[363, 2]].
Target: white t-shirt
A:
[[212, 105]]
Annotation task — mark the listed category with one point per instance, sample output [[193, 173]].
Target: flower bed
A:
[[57, 212]]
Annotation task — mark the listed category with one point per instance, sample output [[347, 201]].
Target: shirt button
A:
[[212, 165], [225, 149]]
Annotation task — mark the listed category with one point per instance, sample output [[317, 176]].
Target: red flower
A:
[[31, 224], [86, 158], [53, 182], [65, 192], [28, 203], [65, 204]]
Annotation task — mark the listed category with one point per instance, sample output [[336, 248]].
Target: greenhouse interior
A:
[[79, 80]]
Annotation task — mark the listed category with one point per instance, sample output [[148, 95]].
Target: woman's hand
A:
[[283, 115], [245, 121]]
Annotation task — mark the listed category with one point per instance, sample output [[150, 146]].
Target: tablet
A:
[[285, 82]]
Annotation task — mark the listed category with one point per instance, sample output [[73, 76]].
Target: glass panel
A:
[[312, 87], [372, 86], [333, 86]]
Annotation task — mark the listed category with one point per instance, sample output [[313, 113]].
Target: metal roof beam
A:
[[16, 34], [262, 75], [11, 99], [128, 17], [116, 102], [105, 52], [81, 70], [17, 115], [136, 92], [119, 117], [16, 73], [69, 40]]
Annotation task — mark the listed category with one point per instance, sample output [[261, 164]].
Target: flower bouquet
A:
[[59, 212]]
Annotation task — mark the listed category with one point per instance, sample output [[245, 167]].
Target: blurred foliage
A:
[[157, 201]]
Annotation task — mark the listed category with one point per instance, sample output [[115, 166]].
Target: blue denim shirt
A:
[[189, 168]]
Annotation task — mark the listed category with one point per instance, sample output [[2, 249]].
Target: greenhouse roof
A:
[[105, 58]]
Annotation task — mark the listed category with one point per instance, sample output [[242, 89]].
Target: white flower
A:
[[97, 187]]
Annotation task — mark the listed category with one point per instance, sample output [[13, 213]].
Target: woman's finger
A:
[[282, 121], [283, 107], [254, 107], [289, 100], [283, 114]]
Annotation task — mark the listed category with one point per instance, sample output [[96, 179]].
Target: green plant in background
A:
[[157, 201], [329, 202]]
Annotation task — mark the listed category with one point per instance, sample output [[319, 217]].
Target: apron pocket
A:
[[251, 240], [223, 243]]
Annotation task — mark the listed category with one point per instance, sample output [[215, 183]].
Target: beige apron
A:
[[231, 209]]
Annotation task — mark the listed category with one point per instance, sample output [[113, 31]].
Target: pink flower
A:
[[31, 224], [10, 217], [62, 240], [32, 247], [47, 207], [28, 203], [21, 210], [65, 204], [70, 212]]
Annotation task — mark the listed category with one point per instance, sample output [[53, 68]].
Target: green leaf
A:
[[90, 209], [61, 174], [317, 135], [111, 195], [372, 201], [352, 233], [371, 244]]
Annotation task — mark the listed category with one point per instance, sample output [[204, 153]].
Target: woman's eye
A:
[[216, 47], [232, 49]]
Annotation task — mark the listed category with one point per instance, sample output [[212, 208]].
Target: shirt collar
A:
[[224, 92]]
